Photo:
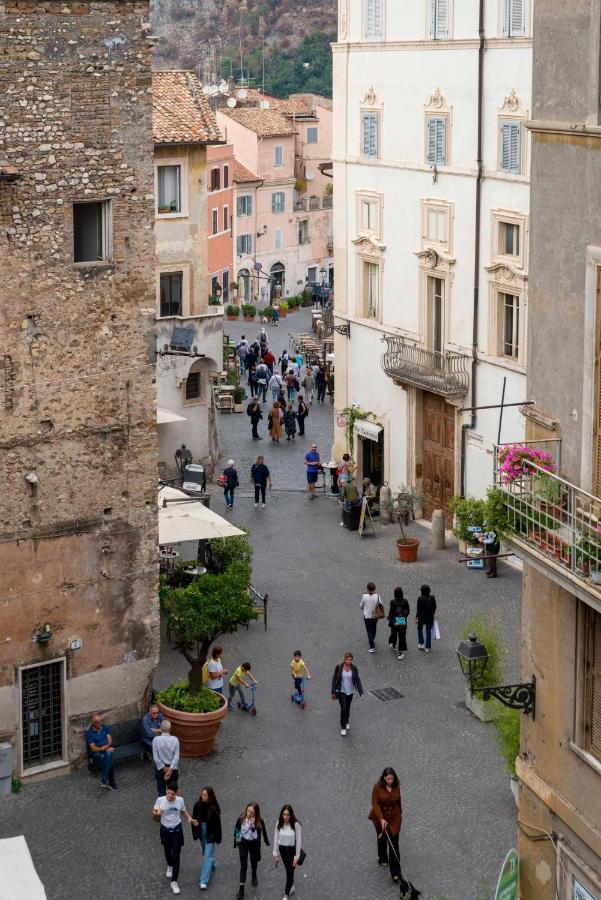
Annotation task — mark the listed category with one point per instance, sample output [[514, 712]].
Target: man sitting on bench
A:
[[100, 750], [150, 727]]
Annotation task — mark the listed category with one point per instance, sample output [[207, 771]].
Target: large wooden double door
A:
[[439, 455]]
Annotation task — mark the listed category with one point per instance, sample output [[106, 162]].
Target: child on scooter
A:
[[299, 671], [236, 682]]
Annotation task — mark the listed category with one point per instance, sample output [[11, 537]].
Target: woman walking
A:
[[207, 813], [386, 814], [274, 422], [344, 684], [321, 383], [249, 829], [372, 611], [287, 845], [291, 383], [424, 616], [290, 422], [231, 484], [301, 414], [398, 615]]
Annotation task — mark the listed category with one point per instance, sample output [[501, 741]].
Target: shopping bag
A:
[[435, 630]]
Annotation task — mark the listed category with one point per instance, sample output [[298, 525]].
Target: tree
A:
[[209, 607]]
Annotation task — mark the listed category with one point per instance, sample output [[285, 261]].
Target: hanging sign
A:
[[507, 886]]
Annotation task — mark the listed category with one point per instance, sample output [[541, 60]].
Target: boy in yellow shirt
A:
[[299, 671], [236, 682]]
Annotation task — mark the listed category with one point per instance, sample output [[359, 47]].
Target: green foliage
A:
[[267, 312], [224, 553], [285, 69], [239, 394], [507, 734], [178, 696], [468, 511], [248, 309], [353, 414], [496, 512], [232, 310], [488, 634], [15, 785]]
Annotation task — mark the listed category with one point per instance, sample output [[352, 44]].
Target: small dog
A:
[[263, 320], [408, 891]]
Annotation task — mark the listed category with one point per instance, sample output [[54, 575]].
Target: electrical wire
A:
[[73, 584]]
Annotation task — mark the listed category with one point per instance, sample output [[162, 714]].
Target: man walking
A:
[[313, 464], [100, 748], [151, 727], [165, 752], [275, 386], [260, 477], [254, 411], [262, 379], [242, 349], [309, 385], [169, 809]]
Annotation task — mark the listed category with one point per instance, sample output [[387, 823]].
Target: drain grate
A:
[[387, 693]]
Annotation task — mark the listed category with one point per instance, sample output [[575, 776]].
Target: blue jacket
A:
[[147, 725]]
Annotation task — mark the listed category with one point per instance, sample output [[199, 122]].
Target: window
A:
[[509, 310], [510, 150], [215, 179], [278, 156], [171, 293], [214, 284], [371, 278], [436, 153], [509, 239], [369, 211], [439, 19], [91, 233], [514, 18], [225, 284], [215, 224], [370, 135], [436, 225], [312, 274], [592, 719], [278, 202], [372, 11], [244, 205], [312, 135], [169, 193], [303, 231], [226, 218], [244, 244], [193, 386], [277, 239], [436, 314], [226, 176]]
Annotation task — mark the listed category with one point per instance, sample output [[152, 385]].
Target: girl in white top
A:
[[287, 845], [215, 671], [368, 604]]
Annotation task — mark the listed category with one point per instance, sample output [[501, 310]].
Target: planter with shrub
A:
[[232, 312], [239, 398], [283, 309], [489, 634], [249, 312], [401, 508]]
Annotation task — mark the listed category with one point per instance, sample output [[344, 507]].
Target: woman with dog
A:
[[387, 815]]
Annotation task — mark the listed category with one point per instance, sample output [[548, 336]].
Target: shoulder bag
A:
[[379, 611]]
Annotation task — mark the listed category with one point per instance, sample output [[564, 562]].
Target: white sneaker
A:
[[348, 726], [420, 647], [292, 890], [372, 650], [175, 887], [426, 649], [264, 505], [203, 887], [401, 656], [343, 732], [256, 504], [169, 872]]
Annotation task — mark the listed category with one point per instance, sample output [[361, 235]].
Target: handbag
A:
[[301, 857], [379, 611], [435, 630], [222, 481]]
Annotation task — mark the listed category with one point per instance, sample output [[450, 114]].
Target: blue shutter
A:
[[506, 18], [510, 154], [249, 205], [439, 19], [239, 245], [240, 206], [437, 141], [370, 135]]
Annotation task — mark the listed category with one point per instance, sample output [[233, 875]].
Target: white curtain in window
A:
[[168, 184]]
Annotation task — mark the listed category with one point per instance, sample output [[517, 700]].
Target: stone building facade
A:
[[79, 619]]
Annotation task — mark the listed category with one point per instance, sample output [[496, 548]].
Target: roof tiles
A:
[[181, 113], [264, 122], [242, 175]]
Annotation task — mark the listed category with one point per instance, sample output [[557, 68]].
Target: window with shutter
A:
[[510, 151], [437, 141], [373, 20], [593, 691], [439, 19], [514, 18], [278, 156], [370, 135], [278, 202]]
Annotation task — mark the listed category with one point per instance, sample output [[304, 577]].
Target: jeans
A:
[[345, 701], [261, 488], [291, 391], [386, 854], [398, 633], [246, 849], [298, 686], [262, 391], [371, 626], [275, 393], [321, 392], [208, 856], [172, 840], [232, 690], [420, 636], [287, 857], [161, 783], [105, 758], [228, 494]]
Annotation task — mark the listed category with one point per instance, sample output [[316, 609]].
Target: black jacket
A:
[[426, 607], [232, 477], [262, 832], [302, 411], [397, 608], [213, 823], [337, 678]]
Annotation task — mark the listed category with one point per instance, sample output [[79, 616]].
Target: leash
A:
[[392, 847]]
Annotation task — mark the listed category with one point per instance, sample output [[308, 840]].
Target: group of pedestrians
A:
[[373, 610]]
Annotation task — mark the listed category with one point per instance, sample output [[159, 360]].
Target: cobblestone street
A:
[[459, 813]]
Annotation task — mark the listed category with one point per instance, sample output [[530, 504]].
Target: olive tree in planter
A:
[[489, 634], [401, 508], [232, 312], [212, 605]]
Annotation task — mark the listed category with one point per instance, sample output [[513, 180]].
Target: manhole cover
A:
[[387, 693]]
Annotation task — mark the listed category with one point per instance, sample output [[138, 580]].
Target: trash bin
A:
[[6, 769], [350, 517]]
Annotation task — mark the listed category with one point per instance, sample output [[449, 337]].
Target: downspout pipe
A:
[[478, 201]]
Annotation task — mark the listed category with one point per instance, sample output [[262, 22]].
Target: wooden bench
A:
[[127, 741]]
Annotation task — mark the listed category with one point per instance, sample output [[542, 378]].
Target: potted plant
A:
[[212, 605], [514, 458], [239, 398], [489, 633], [164, 208], [402, 508], [173, 206], [249, 312], [470, 513], [267, 312], [232, 312], [283, 309]]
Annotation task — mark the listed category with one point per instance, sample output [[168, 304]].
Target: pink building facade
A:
[[220, 256]]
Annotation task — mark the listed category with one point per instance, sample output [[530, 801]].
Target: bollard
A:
[[6, 769], [385, 498], [438, 535]]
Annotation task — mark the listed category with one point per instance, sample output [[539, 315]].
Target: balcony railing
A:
[[554, 518], [310, 204], [442, 373]]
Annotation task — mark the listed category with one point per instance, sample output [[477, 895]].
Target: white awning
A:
[[366, 429], [189, 521], [18, 877], [164, 416]]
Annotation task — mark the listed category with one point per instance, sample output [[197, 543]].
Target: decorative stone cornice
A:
[[369, 245], [436, 100], [435, 259], [505, 272], [511, 103], [370, 96]]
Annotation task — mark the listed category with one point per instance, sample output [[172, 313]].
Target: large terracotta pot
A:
[[407, 548], [196, 731]]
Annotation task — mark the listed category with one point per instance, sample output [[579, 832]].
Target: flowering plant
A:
[[512, 459]]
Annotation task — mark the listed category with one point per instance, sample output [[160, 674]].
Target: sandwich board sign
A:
[[507, 885]]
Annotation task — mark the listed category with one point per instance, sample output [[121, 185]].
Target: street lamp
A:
[[183, 458], [473, 659]]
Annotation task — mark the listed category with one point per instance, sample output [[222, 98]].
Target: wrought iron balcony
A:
[[441, 373], [552, 523]]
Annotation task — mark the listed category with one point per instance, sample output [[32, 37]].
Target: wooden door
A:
[[439, 456]]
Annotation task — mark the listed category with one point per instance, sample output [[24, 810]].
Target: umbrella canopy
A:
[[189, 521], [164, 416], [19, 877]]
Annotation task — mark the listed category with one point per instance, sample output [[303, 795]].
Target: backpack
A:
[[249, 409]]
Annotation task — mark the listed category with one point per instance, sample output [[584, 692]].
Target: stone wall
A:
[[78, 537]]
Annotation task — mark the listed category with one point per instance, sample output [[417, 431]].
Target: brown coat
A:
[[386, 806]]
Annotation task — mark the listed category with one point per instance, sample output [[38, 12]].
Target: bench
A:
[[127, 741]]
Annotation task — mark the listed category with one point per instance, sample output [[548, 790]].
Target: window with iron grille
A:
[[193, 386], [171, 293], [42, 714]]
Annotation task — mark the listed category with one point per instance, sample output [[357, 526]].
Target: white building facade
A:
[[431, 200]]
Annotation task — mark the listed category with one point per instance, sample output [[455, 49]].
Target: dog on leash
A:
[[408, 891]]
